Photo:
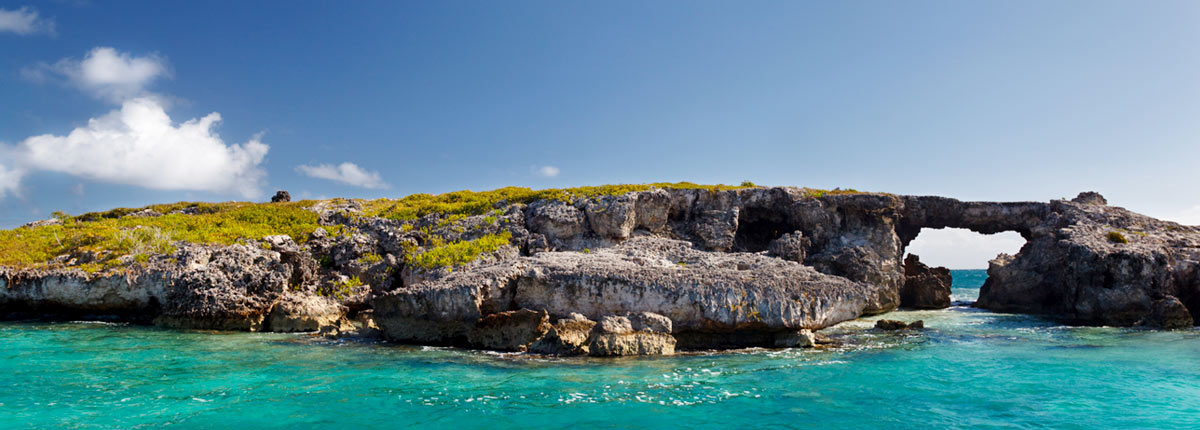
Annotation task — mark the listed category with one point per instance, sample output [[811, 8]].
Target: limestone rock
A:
[[893, 325], [612, 217], [635, 334], [790, 246], [299, 312], [567, 336], [557, 221], [229, 288], [509, 331], [925, 287], [803, 338]]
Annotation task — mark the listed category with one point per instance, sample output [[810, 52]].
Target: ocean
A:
[[969, 369]]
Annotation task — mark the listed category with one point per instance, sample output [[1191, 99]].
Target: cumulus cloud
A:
[[346, 173], [10, 178], [547, 171], [958, 248], [104, 73], [140, 145], [24, 21]]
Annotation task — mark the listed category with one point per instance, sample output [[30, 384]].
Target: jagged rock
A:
[[557, 221], [635, 334], [1168, 313], [509, 331], [791, 246], [229, 288], [893, 325], [803, 338], [45, 222], [1071, 270], [716, 229], [303, 266], [612, 217], [296, 312], [281, 196], [568, 336], [1090, 198], [925, 287], [652, 210]]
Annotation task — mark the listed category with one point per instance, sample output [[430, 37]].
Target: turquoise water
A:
[[970, 369]]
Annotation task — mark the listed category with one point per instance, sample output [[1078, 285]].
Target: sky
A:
[[130, 103]]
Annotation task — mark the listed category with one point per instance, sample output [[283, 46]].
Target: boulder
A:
[[893, 325], [803, 338], [509, 331], [791, 246], [281, 196], [612, 217], [634, 334], [302, 312], [567, 336], [557, 221], [924, 287]]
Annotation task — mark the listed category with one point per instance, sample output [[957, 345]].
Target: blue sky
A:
[[977, 100]]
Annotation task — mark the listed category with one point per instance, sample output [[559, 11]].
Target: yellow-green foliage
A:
[[1117, 237], [370, 258], [466, 203], [345, 288], [459, 252], [105, 233]]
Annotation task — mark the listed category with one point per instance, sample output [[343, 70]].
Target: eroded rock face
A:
[[925, 287], [1073, 270], [305, 313], [568, 336], [509, 331], [641, 333], [230, 288]]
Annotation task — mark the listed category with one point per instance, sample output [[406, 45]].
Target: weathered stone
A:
[[305, 313], [281, 196], [892, 325], [230, 288], [803, 338], [612, 217], [1090, 198], [925, 287], [791, 246], [636, 334], [567, 336], [557, 221], [1168, 313], [509, 331]]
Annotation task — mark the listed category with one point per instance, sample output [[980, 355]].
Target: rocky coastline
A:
[[643, 272]]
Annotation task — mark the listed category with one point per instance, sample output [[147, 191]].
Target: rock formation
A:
[[924, 287], [644, 272]]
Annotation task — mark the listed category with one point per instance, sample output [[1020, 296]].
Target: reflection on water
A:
[[970, 368]]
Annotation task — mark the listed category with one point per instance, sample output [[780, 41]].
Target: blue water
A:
[[970, 369]]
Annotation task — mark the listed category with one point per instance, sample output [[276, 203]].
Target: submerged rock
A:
[[893, 325]]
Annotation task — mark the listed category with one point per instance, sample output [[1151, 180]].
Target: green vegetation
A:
[[345, 288], [467, 203], [107, 237], [1117, 237], [370, 258], [457, 253]]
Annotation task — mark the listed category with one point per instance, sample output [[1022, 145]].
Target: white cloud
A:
[[547, 171], [105, 73], [140, 145], [958, 248], [10, 177], [24, 21], [346, 173]]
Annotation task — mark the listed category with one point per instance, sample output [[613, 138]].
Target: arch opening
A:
[[962, 249]]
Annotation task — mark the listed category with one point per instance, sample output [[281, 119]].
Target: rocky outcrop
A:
[[893, 325], [924, 287], [1071, 268], [597, 275], [642, 333]]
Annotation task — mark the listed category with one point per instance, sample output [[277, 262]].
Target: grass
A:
[[467, 203], [1117, 237], [109, 237], [457, 253]]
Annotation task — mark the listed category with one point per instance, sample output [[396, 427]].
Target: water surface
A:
[[969, 369]]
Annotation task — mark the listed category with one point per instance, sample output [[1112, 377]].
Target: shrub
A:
[[459, 252], [1117, 237]]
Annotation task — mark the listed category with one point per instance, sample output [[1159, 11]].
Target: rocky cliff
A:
[[638, 272]]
